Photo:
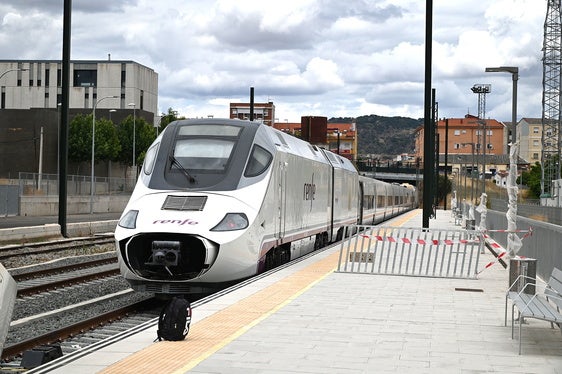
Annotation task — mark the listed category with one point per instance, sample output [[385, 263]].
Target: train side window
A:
[[150, 158], [258, 162]]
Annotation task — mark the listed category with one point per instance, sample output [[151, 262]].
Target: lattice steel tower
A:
[[482, 90], [551, 82]]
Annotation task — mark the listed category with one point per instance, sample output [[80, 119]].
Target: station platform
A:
[[309, 318]]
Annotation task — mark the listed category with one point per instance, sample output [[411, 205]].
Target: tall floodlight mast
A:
[[482, 90], [552, 62]]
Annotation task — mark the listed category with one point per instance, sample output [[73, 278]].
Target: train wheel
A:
[[318, 242], [278, 256], [325, 237], [321, 240], [270, 260]]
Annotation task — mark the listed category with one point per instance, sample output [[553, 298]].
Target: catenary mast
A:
[[552, 64]]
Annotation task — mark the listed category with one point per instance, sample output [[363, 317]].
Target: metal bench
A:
[[546, 306]]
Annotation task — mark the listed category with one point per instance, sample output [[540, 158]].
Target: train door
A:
[[361, 203], [385, 194], [281, 200], [375, 204]]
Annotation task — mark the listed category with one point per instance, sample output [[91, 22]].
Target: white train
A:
[[218, 201]]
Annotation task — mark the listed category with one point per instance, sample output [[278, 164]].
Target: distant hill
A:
[[385, 136]]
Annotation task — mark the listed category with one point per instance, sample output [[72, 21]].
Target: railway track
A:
[[15, 350], [15, 256]]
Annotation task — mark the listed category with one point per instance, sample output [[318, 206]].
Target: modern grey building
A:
[[30, 93]]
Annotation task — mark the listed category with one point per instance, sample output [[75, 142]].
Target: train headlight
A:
[[129, 220], [231, 222]]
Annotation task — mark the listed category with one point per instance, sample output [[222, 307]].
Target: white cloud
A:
[[310, 57]]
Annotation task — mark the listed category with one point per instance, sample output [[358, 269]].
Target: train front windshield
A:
[[203, 148], [203, 156]]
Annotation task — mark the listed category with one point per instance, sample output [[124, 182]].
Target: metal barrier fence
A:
[[411, 251]]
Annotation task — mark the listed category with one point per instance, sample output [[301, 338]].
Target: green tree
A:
[[80, 140], [144, 135], [532, 179], [107, 142], [168, 118]]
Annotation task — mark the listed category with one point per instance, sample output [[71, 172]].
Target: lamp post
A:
[[485, 146], [338, 143], [134, 135], [111, 111], [93, 148], [514, 71], [471, 172], [511, 214], [58, 138]]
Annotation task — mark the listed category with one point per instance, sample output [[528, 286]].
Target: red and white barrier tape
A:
[[489, 264], [528, 232], [418, 241]]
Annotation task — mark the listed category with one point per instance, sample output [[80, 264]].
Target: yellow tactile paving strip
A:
[[214, 332]]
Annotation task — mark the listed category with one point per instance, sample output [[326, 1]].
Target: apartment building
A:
[[529, 133], [465, 143], [263, 112]]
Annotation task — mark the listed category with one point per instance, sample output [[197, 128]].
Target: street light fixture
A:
[[134, 135], [111, 111], [9, 70], [93, 148]]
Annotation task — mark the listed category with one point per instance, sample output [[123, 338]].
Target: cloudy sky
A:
[[310, 57]]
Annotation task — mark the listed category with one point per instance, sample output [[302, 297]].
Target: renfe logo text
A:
[[175, 221]]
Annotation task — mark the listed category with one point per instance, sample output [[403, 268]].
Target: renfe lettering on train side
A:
[[175, 221], [309, 190]]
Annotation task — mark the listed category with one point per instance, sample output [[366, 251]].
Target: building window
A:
[[535, 143], [38, 75], [457, 146], [535, 130], [535, 156], [85, 78], [31, 73], [59, 78], [47, 71], [457, 132]]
